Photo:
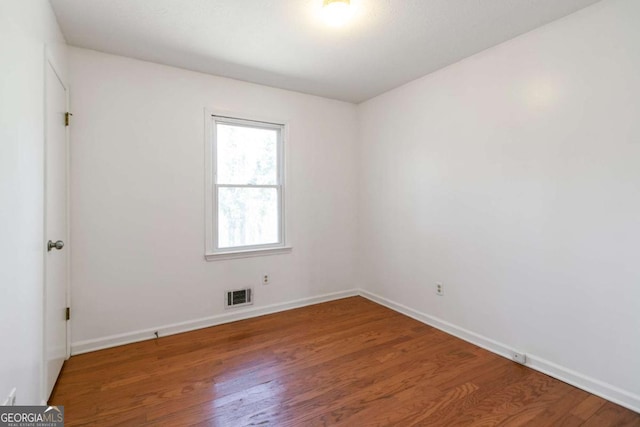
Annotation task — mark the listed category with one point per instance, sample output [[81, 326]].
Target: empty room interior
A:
[[321, 212]]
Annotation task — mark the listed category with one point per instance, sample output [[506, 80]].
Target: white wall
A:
[[25, 28], [514, 178], [511, 176], [137, 215]]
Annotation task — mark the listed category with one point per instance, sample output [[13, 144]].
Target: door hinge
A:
[[68, 313], [67, 118]]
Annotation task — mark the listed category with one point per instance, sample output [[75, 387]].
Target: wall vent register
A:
[[238, 298]]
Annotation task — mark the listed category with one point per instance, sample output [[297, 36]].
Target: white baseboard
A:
[[599, 388], [607, 391], [176, 328]]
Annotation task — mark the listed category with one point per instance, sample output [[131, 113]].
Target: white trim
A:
[[255, 124], [68, 237], [212, 252], [451, 329], [209, 204], [592, 385], [176, 328], [219, 256], [599, 388], [51, 60]]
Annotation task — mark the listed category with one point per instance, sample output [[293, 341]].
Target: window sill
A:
[[247, 254]]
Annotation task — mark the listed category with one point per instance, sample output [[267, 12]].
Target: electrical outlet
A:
[[439, 289], [520, 358], [265, 279]]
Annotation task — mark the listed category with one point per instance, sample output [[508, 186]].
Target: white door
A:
[[55, 293]]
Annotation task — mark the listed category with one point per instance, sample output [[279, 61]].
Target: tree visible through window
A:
[[247, 184]]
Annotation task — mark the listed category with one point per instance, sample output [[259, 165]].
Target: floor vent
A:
[[238, 298]]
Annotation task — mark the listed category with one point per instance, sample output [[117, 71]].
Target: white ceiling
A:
[[284, 43]]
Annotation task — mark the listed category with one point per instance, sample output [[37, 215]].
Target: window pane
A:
[[247, 216], [247, 155]]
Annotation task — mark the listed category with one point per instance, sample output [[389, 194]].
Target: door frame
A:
[[51, 60]]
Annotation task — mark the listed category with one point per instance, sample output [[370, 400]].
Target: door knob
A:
[[57, 245]]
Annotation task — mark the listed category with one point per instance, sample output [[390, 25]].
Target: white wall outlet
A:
[[265, 279], [519, 357], [439, 289]]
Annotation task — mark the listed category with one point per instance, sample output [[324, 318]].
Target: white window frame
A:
[[212, 251]]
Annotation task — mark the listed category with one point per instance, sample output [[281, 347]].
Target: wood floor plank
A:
[[612, 415], [349, 362]]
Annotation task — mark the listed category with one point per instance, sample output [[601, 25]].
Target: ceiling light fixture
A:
[[337, 12]]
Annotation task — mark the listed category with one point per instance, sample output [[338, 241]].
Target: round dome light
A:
[[336, 12]]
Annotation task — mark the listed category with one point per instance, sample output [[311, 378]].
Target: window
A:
[[245, 171]]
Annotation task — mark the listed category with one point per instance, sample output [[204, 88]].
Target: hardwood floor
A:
[[346, 363]]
